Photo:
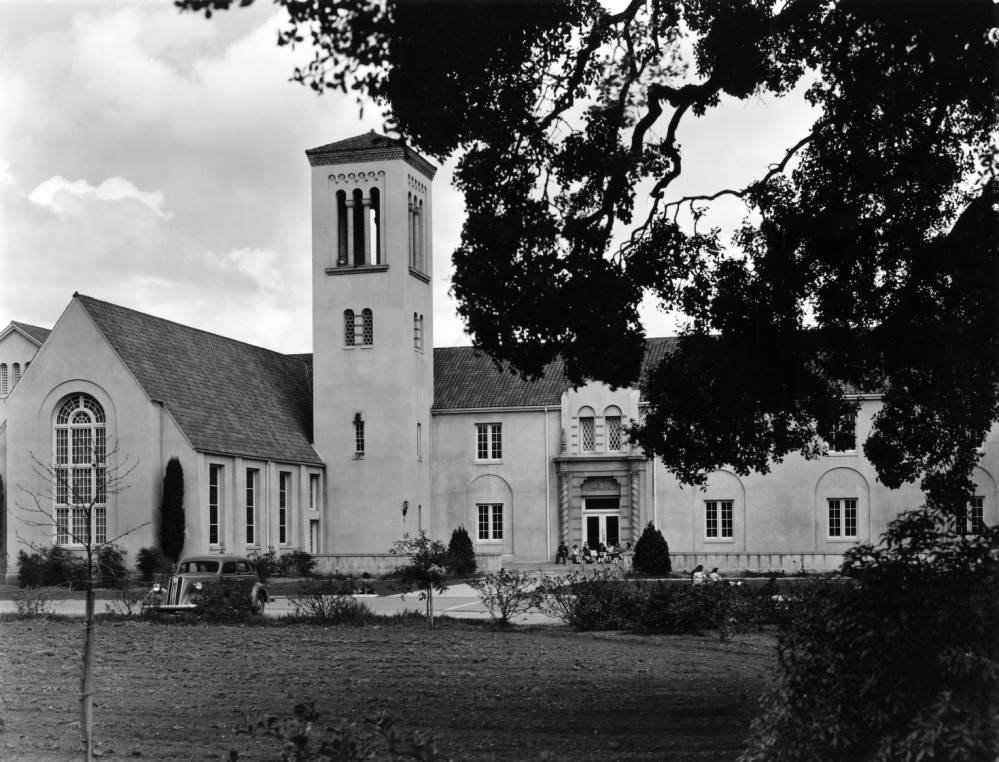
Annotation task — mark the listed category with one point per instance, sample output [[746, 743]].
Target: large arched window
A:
[[80, 471]]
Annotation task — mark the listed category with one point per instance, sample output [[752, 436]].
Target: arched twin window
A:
[[613, 431], [358, 217], [358, 330], [80, 471]]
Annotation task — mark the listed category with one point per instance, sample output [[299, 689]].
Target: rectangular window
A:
[[976, 515], [719, 519], [844, 436], [613, 423], [358, 436], [843, 517], [490, 522], [214, 501], [251, 505], [313, 492], [587, 434], [313, 536], [284, 495], [489, 441]]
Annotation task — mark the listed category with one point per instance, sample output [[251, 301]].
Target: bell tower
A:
[[372, 329]]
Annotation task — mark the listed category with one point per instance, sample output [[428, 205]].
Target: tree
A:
[[426, 570], [846, 273], [172, 523], [73, 508], [651, 552], [461, 552]]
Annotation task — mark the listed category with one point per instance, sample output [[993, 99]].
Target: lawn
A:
[[179, 692]]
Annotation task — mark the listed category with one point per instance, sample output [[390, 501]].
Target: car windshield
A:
[[197, 567]]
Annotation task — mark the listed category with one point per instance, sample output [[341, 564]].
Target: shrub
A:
[[151, 561], [31, 603], [266, 564], [215, 607], [904, 664], [330, 601], [506, 593], [112, 571], [304, 739], [651, 552], [426, 570], [172, 521], [128, 602], [30, 567], [297, 563], [461, 552], [585, 600]]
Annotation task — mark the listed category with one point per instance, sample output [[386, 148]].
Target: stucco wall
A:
[[14, 348]]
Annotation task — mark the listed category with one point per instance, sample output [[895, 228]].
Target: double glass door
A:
[[601, 519]]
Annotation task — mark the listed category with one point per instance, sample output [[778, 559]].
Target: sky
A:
[[155, 160]]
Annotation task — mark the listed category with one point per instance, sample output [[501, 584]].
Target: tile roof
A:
[[371, 146], [36, 332], [227, 396], [363, 142], [465, 378]]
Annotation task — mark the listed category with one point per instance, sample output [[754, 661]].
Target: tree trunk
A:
[[430, 607], [87, 681]]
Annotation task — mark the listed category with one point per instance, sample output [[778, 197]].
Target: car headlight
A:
[[157, 588], [198, 586]]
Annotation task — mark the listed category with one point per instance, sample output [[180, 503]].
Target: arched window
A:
[[587, 430], [375, 225], [80, 471], [361, 231], [3, 379], [17, 375], [348, 327], [367, 327], [341, 229], [612, 426]]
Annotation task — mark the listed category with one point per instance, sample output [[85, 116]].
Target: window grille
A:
[[17, 375], [3, 379], [80, 471], [368, 327], [251, 509], [284, 482], [719, 516], [587, 434], [976, 515], [842, 517], [490, 522], [489, 441], [348, 327], [358, 436], [613, 432], [214, 499]]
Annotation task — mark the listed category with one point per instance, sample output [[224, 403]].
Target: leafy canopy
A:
[[846, 274]]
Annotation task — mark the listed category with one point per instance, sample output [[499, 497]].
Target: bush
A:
[[903, 664], [330, 601], [585, 600], [506, 593], [461, 553], [651, 553], [112, 571], [151, 561], [296, 563], [266, 564], [215, 607], [304, 739], [30, 567], [31, 603]]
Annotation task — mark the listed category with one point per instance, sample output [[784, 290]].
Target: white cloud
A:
[[55, 192]]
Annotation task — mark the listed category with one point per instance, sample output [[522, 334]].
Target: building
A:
[[375, 433]]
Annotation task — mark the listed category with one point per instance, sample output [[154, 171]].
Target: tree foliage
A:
[[426, 569], [846, 274], [461, 552], [651, 552], [904, 664], [172, 521]]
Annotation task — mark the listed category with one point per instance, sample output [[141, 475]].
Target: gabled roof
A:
[[34, 333], [371, 146], [228, 397], [465, 378]]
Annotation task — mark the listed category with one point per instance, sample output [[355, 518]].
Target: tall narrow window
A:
[[3, 379], [17, 375], [843, 517], [349, 329], [342, 259], [976, 515], [490, 522], [375, 218], [423, 336], [417, 340], [612, 427], [284, 496], [214, 502], [489, 441], [358, 436], [80, 471], [251, 505], [313, 492], [718, 519], [419, 441], [361, 230], [367, 327], [587, 430]]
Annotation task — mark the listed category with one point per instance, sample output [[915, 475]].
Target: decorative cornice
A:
[[319, 157], [356, 269]]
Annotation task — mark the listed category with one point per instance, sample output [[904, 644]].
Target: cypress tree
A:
[[172, 511], [651, 552]]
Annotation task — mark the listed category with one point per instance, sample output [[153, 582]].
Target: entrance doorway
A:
[[601, 516]]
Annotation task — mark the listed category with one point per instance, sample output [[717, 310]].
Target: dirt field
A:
[[180, 692]]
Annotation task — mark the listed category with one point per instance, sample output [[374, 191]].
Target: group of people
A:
[[699, 576], [601, 554]]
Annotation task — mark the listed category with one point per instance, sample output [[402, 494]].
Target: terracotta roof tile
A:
[[227, 396]]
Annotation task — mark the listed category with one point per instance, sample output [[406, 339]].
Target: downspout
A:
[[548, 497], [655, 501]]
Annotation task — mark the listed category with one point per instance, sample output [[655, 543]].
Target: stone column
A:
[[563, 508], [635, 505], [350, 229]]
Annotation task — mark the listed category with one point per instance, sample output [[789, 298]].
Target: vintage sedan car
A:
[[232, 576]]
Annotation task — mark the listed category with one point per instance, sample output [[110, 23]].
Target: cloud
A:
[[56, 192]]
